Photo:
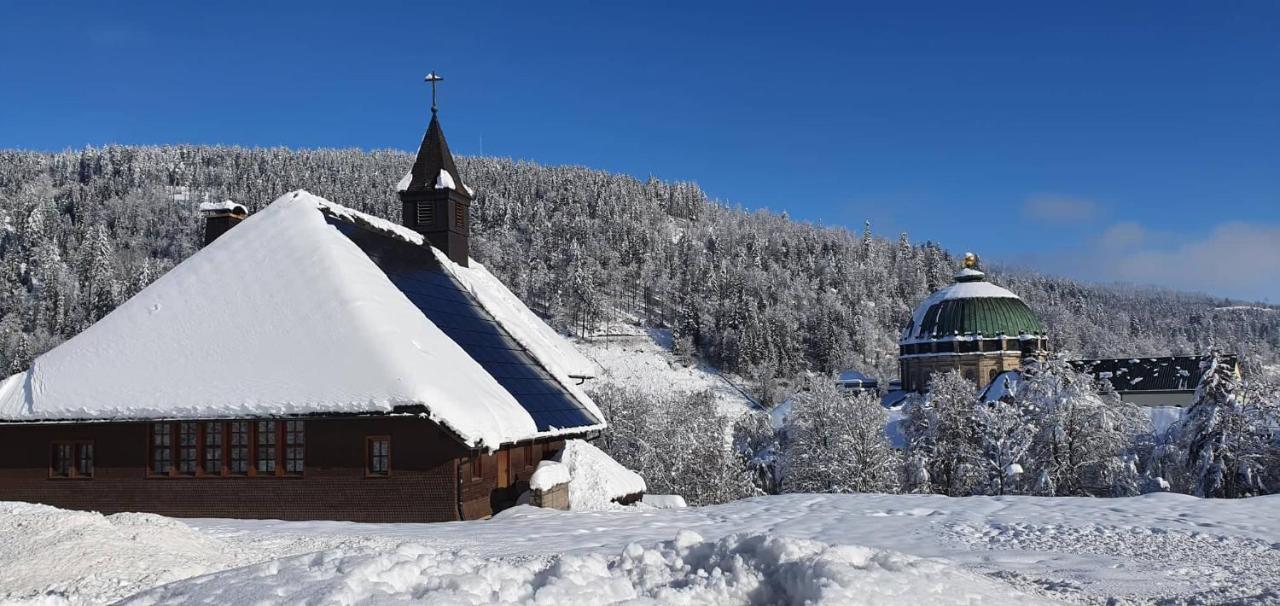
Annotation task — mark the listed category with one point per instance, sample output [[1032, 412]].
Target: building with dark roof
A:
[[310, 362], [857, 382], [1165, 381], [972, 326]]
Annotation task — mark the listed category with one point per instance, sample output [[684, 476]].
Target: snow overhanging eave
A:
[[972, 337]]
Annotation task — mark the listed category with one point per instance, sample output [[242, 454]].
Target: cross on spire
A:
[[433, 78]]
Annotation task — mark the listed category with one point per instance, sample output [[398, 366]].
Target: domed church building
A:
[[972, 326]]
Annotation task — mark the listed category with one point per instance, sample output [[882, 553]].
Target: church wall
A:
[[980, 368], [422, 485]]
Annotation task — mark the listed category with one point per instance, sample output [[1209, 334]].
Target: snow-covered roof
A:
[[284, 314], [225, 205], [853, 376], [970, 284], [551, 347], [1173, 373], [1003, 385], [596, 480]]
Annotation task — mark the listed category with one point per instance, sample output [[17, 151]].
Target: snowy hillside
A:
[[916, 549], [641, 359]]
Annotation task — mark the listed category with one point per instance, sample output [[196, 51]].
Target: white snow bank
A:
[[738, 569], [596, 479], [1155, 548], [50, 555], [664, 501], [548, 475], [281, 315]]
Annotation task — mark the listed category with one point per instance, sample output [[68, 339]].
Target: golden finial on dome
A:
[[970, 261]]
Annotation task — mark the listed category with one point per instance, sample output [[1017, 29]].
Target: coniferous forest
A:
[[753, 292]]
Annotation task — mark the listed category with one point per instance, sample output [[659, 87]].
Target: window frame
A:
[[369, 456], [274, 459], [284, 446], [180, 449], [221, 432], [249, 445], [224, 431], [154, 432], [75, 452]]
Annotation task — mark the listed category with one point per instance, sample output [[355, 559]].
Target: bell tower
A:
[[434, 201]]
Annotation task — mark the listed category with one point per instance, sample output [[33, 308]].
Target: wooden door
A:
[[504, 468]]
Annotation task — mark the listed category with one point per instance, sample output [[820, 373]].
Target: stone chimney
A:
[[220, 217]]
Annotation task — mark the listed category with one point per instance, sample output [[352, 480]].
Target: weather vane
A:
[[433, 78]]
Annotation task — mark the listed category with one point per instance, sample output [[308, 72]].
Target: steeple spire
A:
[[435, 201]]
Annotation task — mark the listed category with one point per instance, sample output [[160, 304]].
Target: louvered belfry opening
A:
[[436, 202]]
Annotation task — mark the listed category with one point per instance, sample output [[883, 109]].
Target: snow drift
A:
[[596, 480], [738, 569]]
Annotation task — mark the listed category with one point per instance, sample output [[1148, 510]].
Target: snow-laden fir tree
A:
[[835, 442], [1004, 434], [942, 442], [1227, 440]]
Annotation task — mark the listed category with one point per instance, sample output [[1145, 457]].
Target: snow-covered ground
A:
[[641, 359], [915, 549]]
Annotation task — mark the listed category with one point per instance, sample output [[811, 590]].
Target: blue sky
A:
[[1116, 141]]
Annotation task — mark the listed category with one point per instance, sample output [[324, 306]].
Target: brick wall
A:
[[422, 486]]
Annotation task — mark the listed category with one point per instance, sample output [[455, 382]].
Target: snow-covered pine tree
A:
[[1225, 438], [942, 437]]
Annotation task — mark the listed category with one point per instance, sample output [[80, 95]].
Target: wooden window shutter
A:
[[426, 213]]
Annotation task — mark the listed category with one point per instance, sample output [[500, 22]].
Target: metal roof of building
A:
[[416, 272], [1173, 373], [980, 316]]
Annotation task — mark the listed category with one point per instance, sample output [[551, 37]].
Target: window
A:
[[84, 459], [459, 216], [477, 467], [238, 447], [378, 456], [161, 449], [62, 455], [266, 452], [188, 448], [71, 460], [528, 455], [213, 447], [294, 447]]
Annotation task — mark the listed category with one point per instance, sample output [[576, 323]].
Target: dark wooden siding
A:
[[480, 494], [422, 486]]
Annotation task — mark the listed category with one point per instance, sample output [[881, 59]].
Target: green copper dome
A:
[[970, 307]]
